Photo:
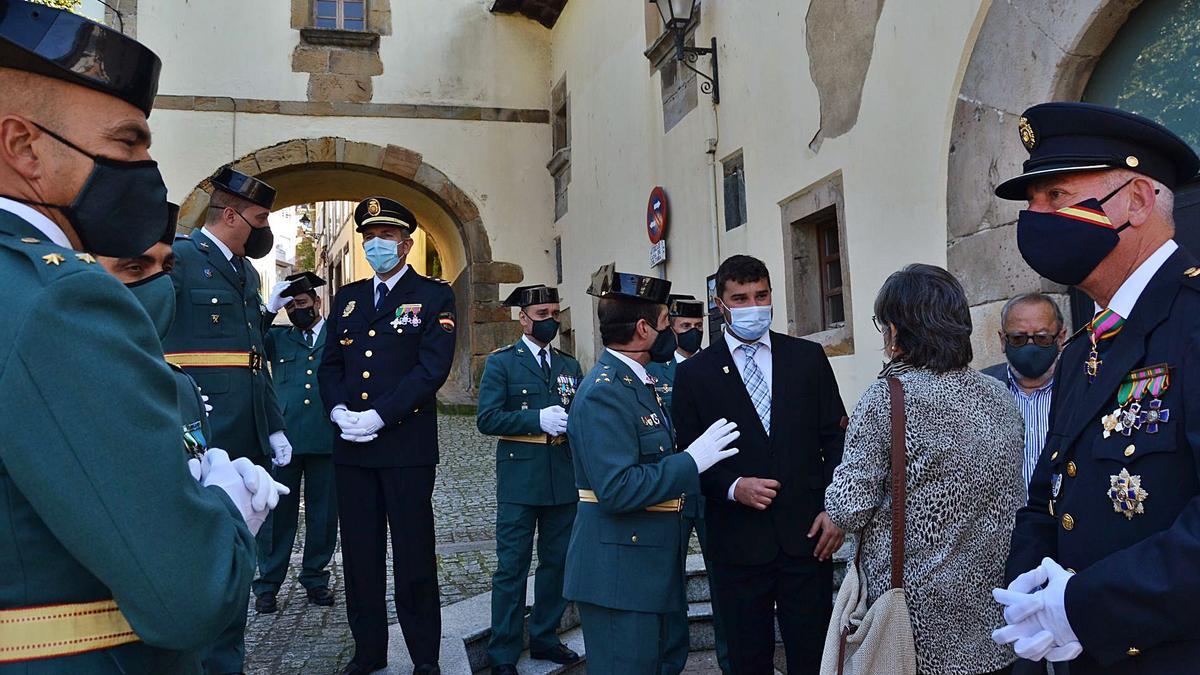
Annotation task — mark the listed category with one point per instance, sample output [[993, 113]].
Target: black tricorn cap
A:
[[607, 282], [685, 306], [1067, 137], [525, 296], [253, 190], [302, 282], [66, 46]]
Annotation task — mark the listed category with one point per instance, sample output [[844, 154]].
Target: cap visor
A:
[[1017, 188]]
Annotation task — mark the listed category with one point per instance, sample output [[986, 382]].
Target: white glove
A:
[[553, 420], [1037, 620], [364, 428], [276, 301], [207, 407], [710, 447], [248, 485], [341, 416], [195, 469], [281, 448]]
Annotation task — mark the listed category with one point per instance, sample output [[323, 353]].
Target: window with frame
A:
[[817, 272], [341, 14], [833, 308], [735, 192]]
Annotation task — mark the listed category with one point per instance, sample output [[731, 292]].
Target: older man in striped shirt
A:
[[1032, 332]]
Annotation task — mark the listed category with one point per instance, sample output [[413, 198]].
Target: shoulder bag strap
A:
[[899, 480]]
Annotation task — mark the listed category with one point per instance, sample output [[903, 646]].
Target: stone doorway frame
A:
[[1026, 52], [484, 324]]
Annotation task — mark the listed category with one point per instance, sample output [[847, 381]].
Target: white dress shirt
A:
[[315, 329], [762, 358], [390, 283], [637, 368], [36, 219], [219, 244], [1126, 297], [679, 358], [534, 348]]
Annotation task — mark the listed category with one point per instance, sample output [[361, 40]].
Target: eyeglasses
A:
[[1021, 339], [875, 320]]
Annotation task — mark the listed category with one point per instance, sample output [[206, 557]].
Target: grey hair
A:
[[1164, 202], [1030, 299], [929, 309]]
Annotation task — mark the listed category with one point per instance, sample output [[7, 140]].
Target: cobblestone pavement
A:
[[303, 638]]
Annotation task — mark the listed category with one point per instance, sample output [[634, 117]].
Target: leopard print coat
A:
[[965, 442]]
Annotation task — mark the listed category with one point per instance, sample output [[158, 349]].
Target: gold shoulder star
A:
[[85, 257], [53, 259]]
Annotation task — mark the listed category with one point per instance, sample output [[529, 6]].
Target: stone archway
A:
[[1026, 53], [334, 168]]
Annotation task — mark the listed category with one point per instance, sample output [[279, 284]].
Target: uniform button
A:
[[308, 386], [214, 301], [306, 401], [660, 449], [309, 372], [364, 396], [524, 392], [633, 539], [281, 360], [1133, 651], [369, 354], [1071, 469], [510, 455], [371, 333], [1130, 450], [311, 358], [1054, 455], [366, 374], [1068, 522]]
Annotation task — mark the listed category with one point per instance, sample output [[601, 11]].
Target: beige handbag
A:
[[876, 640]]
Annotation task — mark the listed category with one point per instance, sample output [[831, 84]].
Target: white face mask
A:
[[750, 323]]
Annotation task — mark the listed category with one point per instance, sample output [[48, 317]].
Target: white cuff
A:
[[732, 487]]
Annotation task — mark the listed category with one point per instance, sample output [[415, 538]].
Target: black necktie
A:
[[239, 266], [308, 338], [545, 359], [381, 292]]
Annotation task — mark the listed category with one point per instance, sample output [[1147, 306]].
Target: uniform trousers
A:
[[370, 502], [796, 589], [320, 525], [515, 525], [621, 642]]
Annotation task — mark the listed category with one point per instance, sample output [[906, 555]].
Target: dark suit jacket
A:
[[804, 446], [392, 360], [1136, 586], [998, 371]]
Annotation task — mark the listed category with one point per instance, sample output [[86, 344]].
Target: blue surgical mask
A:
[[382, 254], [749, 323]]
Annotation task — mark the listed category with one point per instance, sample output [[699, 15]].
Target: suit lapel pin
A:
[[725, 369], [348, 310], [208, 273], [628, 380], [216, 318]]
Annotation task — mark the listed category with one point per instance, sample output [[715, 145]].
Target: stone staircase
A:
[[466, 628]]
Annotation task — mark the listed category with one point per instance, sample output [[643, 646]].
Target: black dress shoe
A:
[[265, 603], [354, 668], [559, 654], [427, 669], [321, 595], [506, 669]]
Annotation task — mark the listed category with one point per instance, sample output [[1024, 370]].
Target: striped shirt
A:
[[1035, 409]]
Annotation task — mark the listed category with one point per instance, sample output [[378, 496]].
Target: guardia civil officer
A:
[[294, 353], [217, 338], [1106, 549], [102, 518], [687, 322], [388, 351], [625, 561], [524, 397]]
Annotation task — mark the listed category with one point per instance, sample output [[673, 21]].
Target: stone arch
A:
[[334, 168], [1026, 53]]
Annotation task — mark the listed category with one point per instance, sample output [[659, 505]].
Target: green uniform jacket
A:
[[196, 431], [215, 313], [511, 395], [665, 374], [294, 372], [622, 556], [96, 501]]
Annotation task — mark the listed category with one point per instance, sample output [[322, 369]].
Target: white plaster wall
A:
[[440, 52], [893, 162], [500, 165]]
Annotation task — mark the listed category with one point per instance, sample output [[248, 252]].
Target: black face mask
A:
[[689, 340], [1069, 244], [259, 242], [1031, 360], [663, 349], [120, 210], [544, 331], [303, 318]]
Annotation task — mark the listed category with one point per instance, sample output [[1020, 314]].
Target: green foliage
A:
[[306, 251], [72, 5]]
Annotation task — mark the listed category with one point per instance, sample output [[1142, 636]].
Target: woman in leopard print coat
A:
[[965, 440]]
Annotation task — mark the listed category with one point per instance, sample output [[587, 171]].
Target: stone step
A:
[[572, 638]]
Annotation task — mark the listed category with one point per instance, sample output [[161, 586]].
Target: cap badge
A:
[[1132, 162], [1027, 135], [373, 207]]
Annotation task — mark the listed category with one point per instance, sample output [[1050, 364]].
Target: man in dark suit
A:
[[1104, 555], [757, 501], [389, 348]]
